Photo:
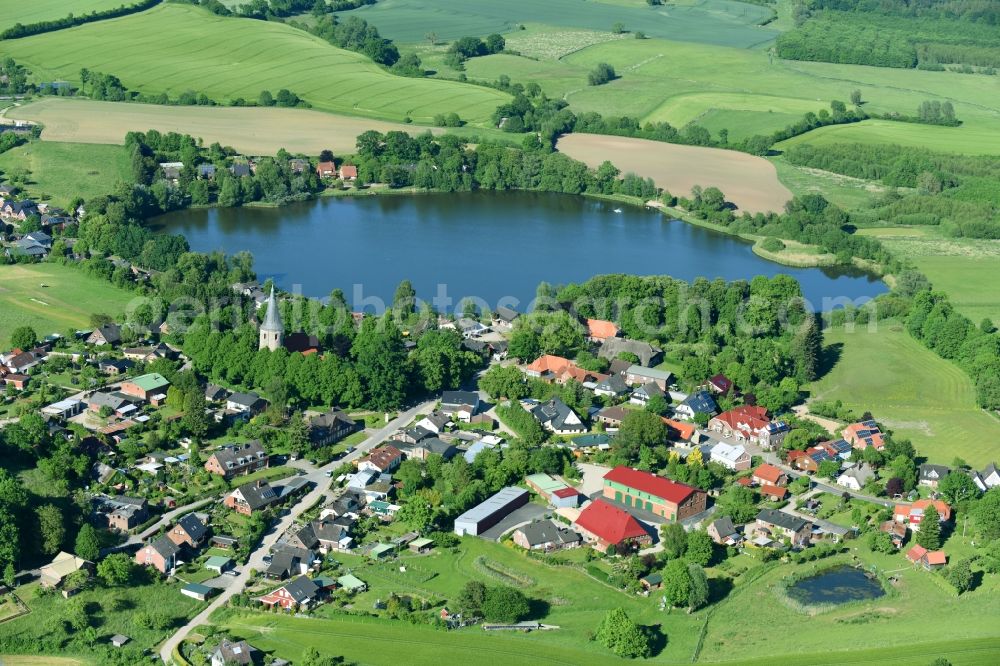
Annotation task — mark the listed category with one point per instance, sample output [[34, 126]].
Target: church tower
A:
[[272, 331]]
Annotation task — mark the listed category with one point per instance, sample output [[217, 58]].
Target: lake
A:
[[836, 586], [495, 246]]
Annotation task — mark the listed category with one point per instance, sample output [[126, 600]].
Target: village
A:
[[329, 514]]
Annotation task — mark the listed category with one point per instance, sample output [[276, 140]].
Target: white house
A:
[[856, 477], [731, 457]]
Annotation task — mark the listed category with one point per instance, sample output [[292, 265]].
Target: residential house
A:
[[106, 334], [856, 477], [773, 493], [206, 171], [863, 434], [237, 460], [124, 513], [613, 416], [638, 375], [290, 560], [607, 526], [53, 573], [147, 387], [679, 431], [120, 404], [251, 497], [928, 559], [298, 593], [647, 354], [986, 479], [599, 330], [215, 393], [613, 387], [19, 210], [769, 475], [503, 318], [189, 531], [546, 536], [560, 370], [250, 404], [837, 448], [435, 422], [348, 172], [233, 653], [331, 427], [556, 416], [750, 423], [913, 514], [723, 532], [430, 445], [734, 458], [297, 165], [656, 494], [699, 402], [720, 384], [779, 525], [464, 404], [326, 170], [383, 459], [172, 170], [114, 366], [22, 362], [644, 393], [160, 554], [931, 475], [896, 531], [240, 167]]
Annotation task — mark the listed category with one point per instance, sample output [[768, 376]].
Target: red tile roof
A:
[[601, 329], [549, 363], [655, 485], [768, 473], [916, 553], [348, 171], [566, 492], [774, 491], [751, 415], [943, 508], [384, 457], [609, 523], [684, 431], [936, 557]]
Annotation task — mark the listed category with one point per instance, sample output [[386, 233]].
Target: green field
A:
[[844, 191], [175, 48], [968, 270], [25, 13], [67, 301], [709, 21], [915, 393], [743, 91], [61, 172]]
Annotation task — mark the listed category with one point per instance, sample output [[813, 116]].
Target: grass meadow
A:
[[25, 13], [174, 48], [64, 171], [720, 22], [67, 301], [915, 393], [745, 92]]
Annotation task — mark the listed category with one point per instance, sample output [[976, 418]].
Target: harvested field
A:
[[247, 129], [749, 182]]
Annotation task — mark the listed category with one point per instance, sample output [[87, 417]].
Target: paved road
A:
[[256, 560]]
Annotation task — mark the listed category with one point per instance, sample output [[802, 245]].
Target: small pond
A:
[[836, 586]]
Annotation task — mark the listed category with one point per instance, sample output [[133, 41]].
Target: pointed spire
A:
[[272, 319]]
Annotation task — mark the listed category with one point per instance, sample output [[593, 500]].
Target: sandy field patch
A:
[[247, 129], [749, 182]]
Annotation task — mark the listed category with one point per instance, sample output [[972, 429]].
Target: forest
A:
[[926, 34]]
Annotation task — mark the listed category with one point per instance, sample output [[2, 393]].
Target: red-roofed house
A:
[[769, 475], [912, 514], [383, 459], [656, 494], [750, 423], [720, 384], [326, 170], [561, 370], [864, 434], [599, 330], [679, 431], [348, 172], [928, 559], [607, 526], [773, 493]]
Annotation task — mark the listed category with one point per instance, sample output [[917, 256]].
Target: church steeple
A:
[[272, 331]]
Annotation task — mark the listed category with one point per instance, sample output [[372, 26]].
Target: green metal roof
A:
[[421, 543], [197, 588], [217, 562], [150, 382], [546, 483], [351, 582], [381, 548]]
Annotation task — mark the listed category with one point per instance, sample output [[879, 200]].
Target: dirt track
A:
[[749, 182]]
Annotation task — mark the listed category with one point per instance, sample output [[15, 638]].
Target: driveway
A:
[[593, 478], [256, 560]]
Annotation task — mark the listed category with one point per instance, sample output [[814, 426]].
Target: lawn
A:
[[36, 11], [968, 270], [67, 301], [268, 474], [911, 390], [709, 21], [174, 48], [64, 171]]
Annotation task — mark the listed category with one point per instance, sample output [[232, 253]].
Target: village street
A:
[[256, 561]]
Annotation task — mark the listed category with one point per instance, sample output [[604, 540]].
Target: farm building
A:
[[483, 516], [661, 496], [553, 490]]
